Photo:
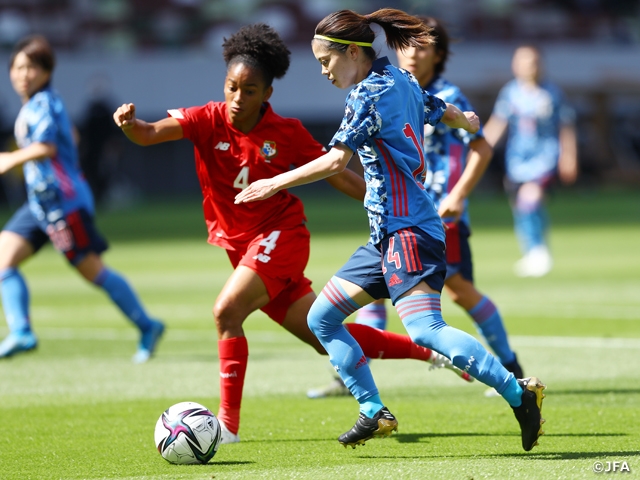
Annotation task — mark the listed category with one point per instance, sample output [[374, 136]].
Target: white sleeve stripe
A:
[[175, 113]]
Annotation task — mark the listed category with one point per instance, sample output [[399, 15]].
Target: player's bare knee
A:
[[227, 316]]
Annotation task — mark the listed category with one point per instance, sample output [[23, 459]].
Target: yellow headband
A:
[[346, 42]]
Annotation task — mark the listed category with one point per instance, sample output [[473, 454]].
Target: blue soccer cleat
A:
[[149, 342], [17, 343]]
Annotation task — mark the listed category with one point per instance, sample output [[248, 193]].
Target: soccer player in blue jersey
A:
[[541, 146], [456, 160], [59, 207], [385, 114]]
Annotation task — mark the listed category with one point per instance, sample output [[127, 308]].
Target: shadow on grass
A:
[[417, 437], [604, 391], [573, 455]]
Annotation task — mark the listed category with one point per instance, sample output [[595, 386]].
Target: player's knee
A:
[[323, 318], [227, 315], [314, 318]]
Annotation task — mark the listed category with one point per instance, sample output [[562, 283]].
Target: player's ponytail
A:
[[345, 27]]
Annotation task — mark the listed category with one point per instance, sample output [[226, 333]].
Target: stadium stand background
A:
[[163, 54]]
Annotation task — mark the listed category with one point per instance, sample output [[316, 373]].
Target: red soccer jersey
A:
[[228, 160]]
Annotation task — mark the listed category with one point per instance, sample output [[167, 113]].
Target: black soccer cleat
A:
[[529, 413], [515, 368], [381, 425]]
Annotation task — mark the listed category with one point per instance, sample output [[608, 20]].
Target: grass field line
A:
[[186, 335]]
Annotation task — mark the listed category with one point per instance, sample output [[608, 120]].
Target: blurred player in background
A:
[[541, 146], [384, 118], [59, 208], [237, 142], [456, 160]]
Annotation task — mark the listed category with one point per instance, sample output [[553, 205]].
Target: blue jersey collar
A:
[[431, 83], [379, 65]]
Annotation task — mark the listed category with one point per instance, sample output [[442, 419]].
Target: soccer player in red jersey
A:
[[237, 142]]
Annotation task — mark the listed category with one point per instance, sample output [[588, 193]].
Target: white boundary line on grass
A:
[[186, 335]]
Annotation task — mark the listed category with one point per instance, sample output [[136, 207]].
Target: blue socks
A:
[[373, 315], [124, 297], [325, 318], [531, 224], [489, 324], [421, 316], [15, 300]]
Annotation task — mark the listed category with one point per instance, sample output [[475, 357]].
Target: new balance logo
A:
[[394, 280], [261, 257], [362, 362], [224, 146], [229, 375]]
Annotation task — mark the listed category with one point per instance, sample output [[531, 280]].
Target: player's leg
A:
[[14, 249], [414, 264], [243, 293], [375, 343], [357, 283], [338, 300], [461, 289], [531, 225], [122, 294], [419, 310], [81, 243], [20, 239], [486, 318], [373, 315]]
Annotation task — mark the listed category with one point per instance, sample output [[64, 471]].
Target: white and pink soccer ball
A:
[[187, 433]]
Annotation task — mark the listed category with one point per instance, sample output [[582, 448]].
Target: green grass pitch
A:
[[77, 408]]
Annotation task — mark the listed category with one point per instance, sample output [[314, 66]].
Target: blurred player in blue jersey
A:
[[541, 146], [59, 208], [456, 160], [385, 114]]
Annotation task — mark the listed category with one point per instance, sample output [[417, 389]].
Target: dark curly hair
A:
[[258, 46]]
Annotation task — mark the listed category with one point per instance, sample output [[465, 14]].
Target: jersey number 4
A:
[[269, 243], [392, 256], [242, 180]]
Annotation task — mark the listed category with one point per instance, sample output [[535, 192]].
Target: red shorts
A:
[[279, 258]]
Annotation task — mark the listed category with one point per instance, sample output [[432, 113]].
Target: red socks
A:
[[383, 344], [233, 354]]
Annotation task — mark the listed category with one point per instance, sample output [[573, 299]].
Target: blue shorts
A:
[[75, 237], [459, 251], [397, 264]]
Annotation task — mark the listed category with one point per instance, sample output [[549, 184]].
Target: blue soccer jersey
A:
[[534, 117], [384, 120], [55, 186], [447, 148]]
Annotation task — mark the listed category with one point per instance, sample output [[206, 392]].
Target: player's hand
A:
[[451, 207], [258, 190], [474, 122], [125, 116]]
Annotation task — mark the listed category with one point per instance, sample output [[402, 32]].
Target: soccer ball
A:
[[186, 433]]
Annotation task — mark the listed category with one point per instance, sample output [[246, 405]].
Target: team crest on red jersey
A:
[[268, 150]]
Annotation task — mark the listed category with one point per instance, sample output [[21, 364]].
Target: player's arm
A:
[[143, 133], [568, 161], [331, 163], [480, 153], [349, 183], [494, 130], [455, 118], [35, 151]]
